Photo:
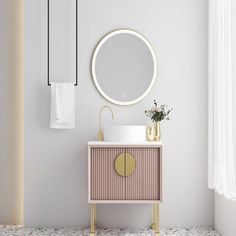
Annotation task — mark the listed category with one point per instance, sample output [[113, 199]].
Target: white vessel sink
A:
[[125, 133]]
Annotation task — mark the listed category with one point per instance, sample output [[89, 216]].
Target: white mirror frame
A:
[[108, 36]]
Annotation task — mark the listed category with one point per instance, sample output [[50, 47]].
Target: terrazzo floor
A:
[[20, 231]]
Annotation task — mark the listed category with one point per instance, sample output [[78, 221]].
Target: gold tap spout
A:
[[100, 133]]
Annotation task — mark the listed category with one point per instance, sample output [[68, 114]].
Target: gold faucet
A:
[[100, 133]]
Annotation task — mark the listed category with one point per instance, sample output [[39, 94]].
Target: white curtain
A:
[[222, 98]]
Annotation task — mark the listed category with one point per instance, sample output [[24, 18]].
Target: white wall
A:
[[11, 84], [225, 216], [56, 161]]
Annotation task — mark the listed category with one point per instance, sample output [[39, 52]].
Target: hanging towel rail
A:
[[76, 44]]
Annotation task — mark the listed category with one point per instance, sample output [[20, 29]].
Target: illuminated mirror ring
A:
[[124, 67]]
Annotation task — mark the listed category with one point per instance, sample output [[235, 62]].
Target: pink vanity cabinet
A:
[[124, 173]]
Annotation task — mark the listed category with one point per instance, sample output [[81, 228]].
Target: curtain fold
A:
[[221, 102]]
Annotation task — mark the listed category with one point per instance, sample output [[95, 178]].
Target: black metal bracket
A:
[[76, 45]]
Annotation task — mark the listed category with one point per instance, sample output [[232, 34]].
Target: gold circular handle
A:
[[125, 164]]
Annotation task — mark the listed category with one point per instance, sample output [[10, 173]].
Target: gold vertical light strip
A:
[[19, 82]]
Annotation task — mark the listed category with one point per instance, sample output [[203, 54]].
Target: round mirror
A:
[[124, 67]]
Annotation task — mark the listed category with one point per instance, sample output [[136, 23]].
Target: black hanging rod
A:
[[76, 44]]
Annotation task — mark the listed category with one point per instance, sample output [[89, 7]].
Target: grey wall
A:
[[56, 161], [225, 215], [11, 84]]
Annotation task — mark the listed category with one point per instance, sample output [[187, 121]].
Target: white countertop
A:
[[103, 143]]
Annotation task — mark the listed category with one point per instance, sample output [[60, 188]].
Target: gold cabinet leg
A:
[[156, 219], [95, 216], [93, 219]]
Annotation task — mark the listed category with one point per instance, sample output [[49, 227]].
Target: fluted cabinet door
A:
[[98, 175], [145, 182], [106, 184], [116, 183], [134, 182], [152, 174]]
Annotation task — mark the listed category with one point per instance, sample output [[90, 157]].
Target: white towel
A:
[[62, 105]]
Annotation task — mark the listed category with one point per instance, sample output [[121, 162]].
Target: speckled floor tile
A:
[[20, 231]]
